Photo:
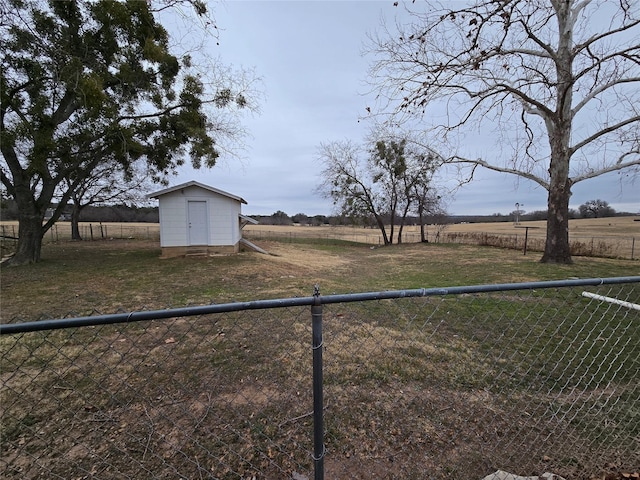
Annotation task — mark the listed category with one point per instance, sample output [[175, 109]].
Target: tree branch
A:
[[497, 168], [601, 89], [604, 131], [619, 165]]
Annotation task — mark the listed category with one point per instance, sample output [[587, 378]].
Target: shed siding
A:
[[173, 220], [224, 226]]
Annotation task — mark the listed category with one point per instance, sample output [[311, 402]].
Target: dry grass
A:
[[80, 278], [229, 396], [612, 237], [601, 237], [613, 226], [587, 227]]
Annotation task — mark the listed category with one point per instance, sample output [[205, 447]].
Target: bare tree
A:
[[556, 81], [103, 185], [382, 182], [347, 180], [428, 203], [405, 171]]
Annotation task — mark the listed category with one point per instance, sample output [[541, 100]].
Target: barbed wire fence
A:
[[431, 383], [607, 246], [624, 247]]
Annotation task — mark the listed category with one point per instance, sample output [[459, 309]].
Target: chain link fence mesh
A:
[[447, 386]]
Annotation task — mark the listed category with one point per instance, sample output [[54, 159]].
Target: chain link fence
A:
[[430, 383]]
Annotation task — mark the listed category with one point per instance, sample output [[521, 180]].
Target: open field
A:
[[443, 387], [615, 237], [589, 227], [611, 226], [601, 237]]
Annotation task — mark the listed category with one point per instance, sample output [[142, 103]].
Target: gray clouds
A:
[[309, 57]]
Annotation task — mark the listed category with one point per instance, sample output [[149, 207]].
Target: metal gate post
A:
[[318, 402]]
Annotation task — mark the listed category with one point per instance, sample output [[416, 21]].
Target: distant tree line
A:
[[120, 213], [141, 214], [107, 213], [590, 209], [281, 218]]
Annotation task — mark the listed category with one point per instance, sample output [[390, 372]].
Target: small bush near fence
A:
[[450, 385]]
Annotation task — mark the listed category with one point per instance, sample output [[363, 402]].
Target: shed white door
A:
[[197, 211]]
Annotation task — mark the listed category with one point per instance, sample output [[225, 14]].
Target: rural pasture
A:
[[614, 237], [441, 387], [584, 227]]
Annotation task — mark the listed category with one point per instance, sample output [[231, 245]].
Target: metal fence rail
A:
[[427, 383]]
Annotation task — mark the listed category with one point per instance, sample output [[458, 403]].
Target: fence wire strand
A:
[[444, 386]]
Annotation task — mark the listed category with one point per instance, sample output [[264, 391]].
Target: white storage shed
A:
[[196, 219]]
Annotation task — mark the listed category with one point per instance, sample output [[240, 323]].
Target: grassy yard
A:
[[80, 278], [438, 387]]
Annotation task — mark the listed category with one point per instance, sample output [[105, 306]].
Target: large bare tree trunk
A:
[[557, 248], [75, 220], [559, 127], [31, 213], [30, 232], [383, 229]]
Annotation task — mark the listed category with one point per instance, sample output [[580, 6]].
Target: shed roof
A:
[[249, 219], [193, 183]]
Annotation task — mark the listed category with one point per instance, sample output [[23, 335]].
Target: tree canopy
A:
[[596, 208], [88, 83], [554, 84]]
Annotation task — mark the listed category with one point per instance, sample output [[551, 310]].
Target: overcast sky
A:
[[309, 56]]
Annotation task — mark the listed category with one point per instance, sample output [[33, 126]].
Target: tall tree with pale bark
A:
[[555, 83], [84, 83]]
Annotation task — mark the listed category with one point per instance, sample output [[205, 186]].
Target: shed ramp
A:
[[255, 247]]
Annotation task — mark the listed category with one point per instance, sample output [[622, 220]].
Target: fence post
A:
[[318, 402]]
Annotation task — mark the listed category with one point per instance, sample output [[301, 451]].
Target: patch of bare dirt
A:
[[301, 256]]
